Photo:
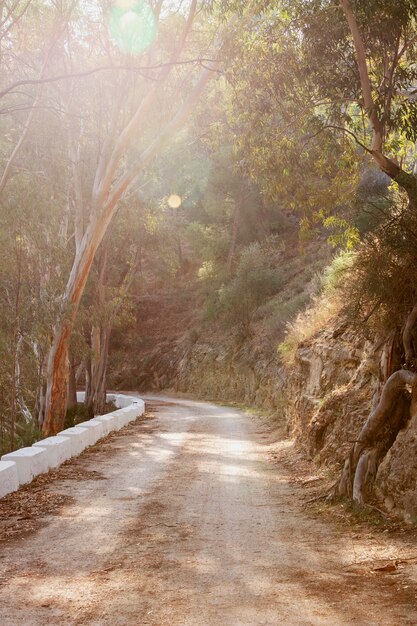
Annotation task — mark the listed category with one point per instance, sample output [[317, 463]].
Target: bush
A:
[[256, 280]]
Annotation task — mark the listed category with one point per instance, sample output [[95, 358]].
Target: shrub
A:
[[256, 280]]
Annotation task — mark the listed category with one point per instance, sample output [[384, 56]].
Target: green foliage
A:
[[382, 289], [343, 234], [335, 276], [26, 433], [256, 279], [77, 414]]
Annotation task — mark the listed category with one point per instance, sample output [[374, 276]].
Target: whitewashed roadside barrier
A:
[[9, 480], [21, 466], [58, 448], [30, 462]]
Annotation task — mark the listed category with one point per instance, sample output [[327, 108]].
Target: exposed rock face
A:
[[240, 374], [329, 392]]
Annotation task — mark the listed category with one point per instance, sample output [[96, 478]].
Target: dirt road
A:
[[184, 520]]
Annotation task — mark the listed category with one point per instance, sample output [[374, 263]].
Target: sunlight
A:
[[174, 201], [132, 25]]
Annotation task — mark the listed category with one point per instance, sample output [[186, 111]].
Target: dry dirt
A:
[[192, 517]]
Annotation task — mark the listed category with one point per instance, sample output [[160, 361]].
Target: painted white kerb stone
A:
[[80, 438], [30, 462], [110, 422], [9, 478], [95, 429], [124, 416], [58, 449]]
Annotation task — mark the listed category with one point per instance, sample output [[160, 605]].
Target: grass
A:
[[324, 307], [307, 324]]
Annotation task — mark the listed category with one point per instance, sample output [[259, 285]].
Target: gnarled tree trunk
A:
[[377, 436]]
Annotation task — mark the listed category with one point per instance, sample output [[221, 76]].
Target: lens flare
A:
[[132, 25], [174, 201]]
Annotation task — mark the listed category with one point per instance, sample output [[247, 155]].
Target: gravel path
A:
[[184, 520]]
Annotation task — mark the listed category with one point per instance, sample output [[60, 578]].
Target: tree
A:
[[112, 179]]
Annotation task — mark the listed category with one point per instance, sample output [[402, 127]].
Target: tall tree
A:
[[116, 173]]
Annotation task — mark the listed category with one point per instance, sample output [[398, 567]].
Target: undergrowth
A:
[[325, 305]]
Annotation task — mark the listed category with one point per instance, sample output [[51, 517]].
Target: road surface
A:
[[184, 520]]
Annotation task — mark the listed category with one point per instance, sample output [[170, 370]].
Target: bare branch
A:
[[105, 68], [343, 129]]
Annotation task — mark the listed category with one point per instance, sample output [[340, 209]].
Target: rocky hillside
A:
[[324, 391]]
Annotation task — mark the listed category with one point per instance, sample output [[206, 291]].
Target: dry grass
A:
[[307, 324], [324, 307]]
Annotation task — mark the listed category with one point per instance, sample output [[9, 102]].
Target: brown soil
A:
[[194, 516]]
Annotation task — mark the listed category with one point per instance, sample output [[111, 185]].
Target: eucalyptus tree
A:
[[127, 143]]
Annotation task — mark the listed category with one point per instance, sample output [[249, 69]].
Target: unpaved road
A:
[[184, 520]]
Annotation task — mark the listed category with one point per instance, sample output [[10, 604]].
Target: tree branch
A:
[[345, 130], [370, 106], [105, 68], [102, 184]]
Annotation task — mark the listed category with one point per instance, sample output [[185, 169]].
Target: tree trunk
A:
[[72, 384], [97, 388], [58, 368], [235, 229], [57, 381], [87, 368], [376, 437], [100, 333]]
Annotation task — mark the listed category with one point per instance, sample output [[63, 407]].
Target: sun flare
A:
[[132, 25], [174, 201]]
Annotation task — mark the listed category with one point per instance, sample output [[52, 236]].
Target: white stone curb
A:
[[21, 466], [9, 478], [58, 449], [95, 429], [30, 462], [80, 438]]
